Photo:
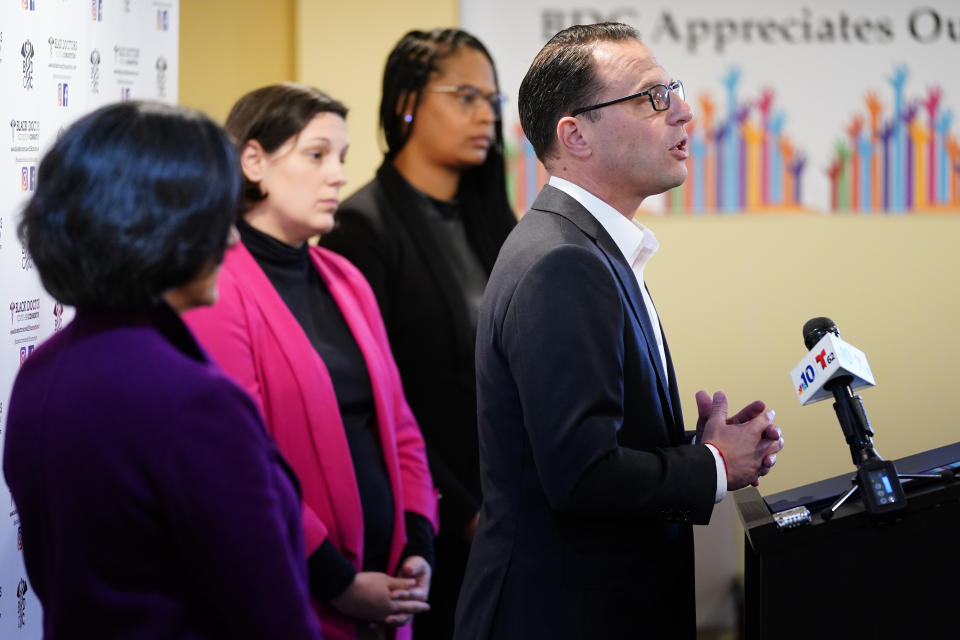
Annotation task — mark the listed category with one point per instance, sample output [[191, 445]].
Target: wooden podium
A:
[[855, 576]]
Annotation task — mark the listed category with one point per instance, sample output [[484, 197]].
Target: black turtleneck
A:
[[308, 298]]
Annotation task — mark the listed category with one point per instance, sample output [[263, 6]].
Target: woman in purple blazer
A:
[[153, 503]]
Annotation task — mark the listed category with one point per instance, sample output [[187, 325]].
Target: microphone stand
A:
[[871, 468]]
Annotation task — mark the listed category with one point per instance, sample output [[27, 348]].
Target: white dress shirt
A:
[[637, 244]]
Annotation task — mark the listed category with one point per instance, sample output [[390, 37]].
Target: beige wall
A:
[[228, 47], [734, 293]]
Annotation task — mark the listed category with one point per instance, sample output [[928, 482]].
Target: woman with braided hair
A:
[[425, 232]]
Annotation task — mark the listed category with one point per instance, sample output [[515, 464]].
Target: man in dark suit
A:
[[590, 483]]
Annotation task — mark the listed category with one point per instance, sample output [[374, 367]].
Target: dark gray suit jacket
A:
[[589, 485]]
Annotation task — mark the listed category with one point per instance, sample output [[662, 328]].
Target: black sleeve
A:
[[419, 538], [329, 572], [457, 505]]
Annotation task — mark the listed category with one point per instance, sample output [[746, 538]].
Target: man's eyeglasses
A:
[[659, 97], [469, 98]]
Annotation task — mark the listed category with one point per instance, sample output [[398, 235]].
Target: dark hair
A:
[[562, 78], [136, 198], [272, 115], [487, 214]]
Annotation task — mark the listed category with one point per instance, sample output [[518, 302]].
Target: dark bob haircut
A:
[[483, 189], [136, 198], [272, 115], [561, 78]]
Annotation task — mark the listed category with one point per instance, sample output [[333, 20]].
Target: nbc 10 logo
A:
[[28, 178], [163, 20], [62, 94], [806, 379]]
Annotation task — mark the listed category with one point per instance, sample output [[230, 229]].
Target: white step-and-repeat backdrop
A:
[[843, 106], [59, 59]]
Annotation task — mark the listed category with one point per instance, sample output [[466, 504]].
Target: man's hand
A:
[[749, 441]]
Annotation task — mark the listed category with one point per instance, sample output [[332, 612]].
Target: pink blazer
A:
[[252, 334]]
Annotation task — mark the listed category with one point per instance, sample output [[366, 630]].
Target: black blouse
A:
[[308, 298]]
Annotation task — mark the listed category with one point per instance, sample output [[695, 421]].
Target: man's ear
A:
[[253, 160], [571, 138]]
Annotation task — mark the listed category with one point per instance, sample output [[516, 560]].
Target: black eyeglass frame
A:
[[675, 88], [496, 100]]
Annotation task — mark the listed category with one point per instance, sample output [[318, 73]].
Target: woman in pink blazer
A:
[[298, 327]]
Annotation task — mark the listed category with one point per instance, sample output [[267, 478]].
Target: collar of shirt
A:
[[635, 241]]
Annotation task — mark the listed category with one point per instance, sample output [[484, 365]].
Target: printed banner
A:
[[59, 59], [846, 107]]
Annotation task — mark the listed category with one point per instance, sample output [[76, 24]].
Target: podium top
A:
[[823, 492]]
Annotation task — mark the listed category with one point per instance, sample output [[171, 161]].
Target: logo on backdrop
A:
[[126, 6], [26, 260], [63, 54], [28, 5], [96, 10], [28, 178], [25, 323], [22, 589], [126, 68], [1, 46], [57, 316], [126, 56], [94, 71], [62, 94], [24, 310], [24, 135], [163, 20], [161, 77], [26, 50], [1, 247]]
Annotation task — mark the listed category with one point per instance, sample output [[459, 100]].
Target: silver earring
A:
[[408, 118]]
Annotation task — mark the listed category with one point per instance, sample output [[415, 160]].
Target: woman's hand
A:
[[377, 597], [417, 569]]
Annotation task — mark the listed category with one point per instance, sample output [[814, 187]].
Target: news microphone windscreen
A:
[[815, 328], [829, 357]]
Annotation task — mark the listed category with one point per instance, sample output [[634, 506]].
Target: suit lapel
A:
[[556, 201]]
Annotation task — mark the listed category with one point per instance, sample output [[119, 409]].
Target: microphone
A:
[[835, 368], [829, 358]]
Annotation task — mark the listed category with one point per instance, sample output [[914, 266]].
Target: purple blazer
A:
[[153, 503]]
